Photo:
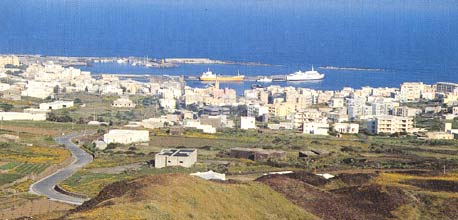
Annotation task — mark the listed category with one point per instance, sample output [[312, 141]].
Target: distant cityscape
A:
[[316, 112]]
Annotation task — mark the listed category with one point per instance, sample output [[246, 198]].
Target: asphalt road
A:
[[46, 185]]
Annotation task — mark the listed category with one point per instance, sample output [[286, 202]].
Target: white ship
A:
[[264, 79], [305, 76]]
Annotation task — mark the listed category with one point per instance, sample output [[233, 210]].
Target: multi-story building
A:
[[411, 91], [446, 87], [390, 125]]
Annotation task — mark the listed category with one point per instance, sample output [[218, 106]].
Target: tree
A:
[[6, 107], [77, 101], [56, 89]]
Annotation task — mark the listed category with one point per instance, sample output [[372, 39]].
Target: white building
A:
[[390, 125], [126, 136], [123, 102], [175, 157], [56, 105], [411, 91], [191, 123], [317, 128], [336, 102], [247, 123], [346, 128]]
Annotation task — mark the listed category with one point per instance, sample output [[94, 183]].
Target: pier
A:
[[277, 78]]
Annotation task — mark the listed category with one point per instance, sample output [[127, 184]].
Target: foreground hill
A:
[[179, 196]]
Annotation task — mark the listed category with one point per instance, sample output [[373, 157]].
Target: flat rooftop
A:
[[177, 152]]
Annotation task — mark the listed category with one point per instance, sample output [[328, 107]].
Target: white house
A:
[[247, 123], [346, 128], [56, 105], [175, 157], [126, 136], [123, 102], [318, 128]]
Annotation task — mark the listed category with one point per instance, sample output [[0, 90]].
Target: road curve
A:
[[46, 185]]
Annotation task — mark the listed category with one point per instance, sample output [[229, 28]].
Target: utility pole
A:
[[444, 169]]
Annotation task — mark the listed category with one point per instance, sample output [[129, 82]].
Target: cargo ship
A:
[[210, 76]]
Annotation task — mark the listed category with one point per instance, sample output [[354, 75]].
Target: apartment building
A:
[[390, 125]]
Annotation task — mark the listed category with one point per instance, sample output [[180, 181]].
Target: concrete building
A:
[[257, 153], [405, 111], [336, 102], [281, 126], [390, 125], [175, 157], [123, 102], [56, 105], [446, 87], [126, 136], [247, 123], [346, 128], [439, 136], [316, 128], [411, 91], [9, 60], [191, 123]]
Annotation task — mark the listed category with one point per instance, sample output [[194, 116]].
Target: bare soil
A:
[[355, 202], [434, 185]]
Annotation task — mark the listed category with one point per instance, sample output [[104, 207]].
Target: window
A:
[[181, 161]]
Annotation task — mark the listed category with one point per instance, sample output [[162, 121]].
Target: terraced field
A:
[[15, 170]]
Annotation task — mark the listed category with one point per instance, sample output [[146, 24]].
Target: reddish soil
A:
[[356, 179], [434, 185], [309, 178], [363, 202]]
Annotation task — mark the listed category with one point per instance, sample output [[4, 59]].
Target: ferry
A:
[[210, 76], [264, 79], [304, 76]]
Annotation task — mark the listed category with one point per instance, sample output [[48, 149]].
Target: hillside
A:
[[416, 195], [179, 196]]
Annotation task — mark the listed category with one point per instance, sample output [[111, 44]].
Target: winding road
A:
[[46, 185]]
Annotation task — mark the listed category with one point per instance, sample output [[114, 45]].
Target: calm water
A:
[[412, 40]]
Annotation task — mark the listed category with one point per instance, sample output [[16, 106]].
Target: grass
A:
[[44, 127], [27, 168], [6, 178], [185, 197], [9, 166]]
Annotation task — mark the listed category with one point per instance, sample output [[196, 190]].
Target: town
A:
[[133, 128], [377, 111]]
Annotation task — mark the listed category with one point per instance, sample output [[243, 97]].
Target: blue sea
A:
[[410, 40]]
